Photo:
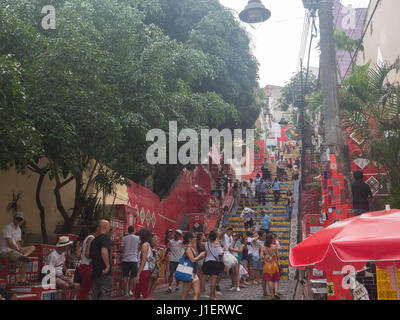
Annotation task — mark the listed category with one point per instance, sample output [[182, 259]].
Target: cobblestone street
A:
[[253, 292]]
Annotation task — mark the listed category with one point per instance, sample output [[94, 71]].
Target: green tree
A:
[[371, 108], [292, 91]]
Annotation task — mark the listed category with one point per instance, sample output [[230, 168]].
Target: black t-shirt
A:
[[101, 241], [361, 193]]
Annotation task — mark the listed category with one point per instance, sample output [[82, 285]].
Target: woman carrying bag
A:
[[191, 253], [213, 266]]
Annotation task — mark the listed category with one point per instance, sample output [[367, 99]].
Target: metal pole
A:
[[396, 280], [333, 131]]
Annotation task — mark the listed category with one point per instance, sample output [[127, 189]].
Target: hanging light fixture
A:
[[283, 122], [255, 12]]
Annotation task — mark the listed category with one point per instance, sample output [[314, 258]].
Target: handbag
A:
[[229, 260], [153, 264], [184, 271]]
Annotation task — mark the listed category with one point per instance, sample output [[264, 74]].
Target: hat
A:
[[19, 215], [229, 228], [179, 231], [63, 242]]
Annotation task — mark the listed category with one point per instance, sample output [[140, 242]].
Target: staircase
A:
[[280, 224]]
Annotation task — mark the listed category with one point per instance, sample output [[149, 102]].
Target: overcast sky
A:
[[276, 42]]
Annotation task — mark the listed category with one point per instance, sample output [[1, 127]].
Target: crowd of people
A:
[[256, 261], [93, 277]]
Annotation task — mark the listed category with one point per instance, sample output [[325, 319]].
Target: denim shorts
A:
[[256, 263]]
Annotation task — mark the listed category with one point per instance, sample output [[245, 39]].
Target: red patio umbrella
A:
[[373, 236]]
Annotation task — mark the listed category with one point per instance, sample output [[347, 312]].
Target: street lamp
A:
[[255, 12], [283, 122]]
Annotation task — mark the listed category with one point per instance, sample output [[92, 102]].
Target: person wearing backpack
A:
[[191, 253], [271, 269], [156, 268], [147, 263]]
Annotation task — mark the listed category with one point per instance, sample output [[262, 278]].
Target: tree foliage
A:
[[292, 92], [77, 101], [371, 107]]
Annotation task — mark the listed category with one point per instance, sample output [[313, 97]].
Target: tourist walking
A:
[[276, 188], [289, 205], [158, 269], [260, 189], [193, 255], [200, 246], [145, 257], [129, 247], [252, 191], [266, 175], [236, 249], [244, 190], [255, 244], [235, 192], [271, 269], [265, 222], [225, 216], [175, 247], [100, 253], [212, 264], [244, 260], [168, 236]]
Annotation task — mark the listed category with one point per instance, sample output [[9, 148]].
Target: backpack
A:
[[153, 265]]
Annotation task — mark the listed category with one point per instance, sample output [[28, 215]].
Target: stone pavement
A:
[[253, 292]]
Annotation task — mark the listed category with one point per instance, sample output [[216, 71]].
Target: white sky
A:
[[276, 42]]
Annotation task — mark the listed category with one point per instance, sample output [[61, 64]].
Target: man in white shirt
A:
[[129, 247], [175, 246], [257, 242], [227, 240], [10, 246], [56, 259]]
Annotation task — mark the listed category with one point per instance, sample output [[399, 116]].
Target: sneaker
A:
[[232, 289], [131, 293], [169, 290], [238, 289]]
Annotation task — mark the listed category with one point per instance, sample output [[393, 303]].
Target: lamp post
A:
[[255, 12]]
